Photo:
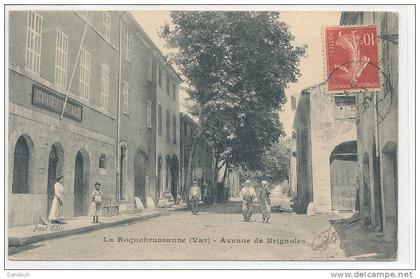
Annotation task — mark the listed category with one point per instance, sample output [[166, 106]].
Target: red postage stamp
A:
[[352, 58]]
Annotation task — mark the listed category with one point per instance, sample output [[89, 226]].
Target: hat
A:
[[194, 182], [247, 182], [264, 182], [59, 176]]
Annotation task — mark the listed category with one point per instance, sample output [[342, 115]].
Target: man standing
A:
[[56, 211], [248, 195], [265, 203], [195, 197]]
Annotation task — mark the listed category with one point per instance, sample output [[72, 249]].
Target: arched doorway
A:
[[81, 183], [55, 167], [21, 165], [174, 176], [367, 211], [140, 170], [167, 173], [122, 189], [159, 178], [390, 188], [343, 166]]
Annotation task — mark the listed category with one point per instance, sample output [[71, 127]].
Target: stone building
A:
[[377, 129], [202, 165], [137, 110], [45, 66], [102, 69], [167, 133], [326, 150]]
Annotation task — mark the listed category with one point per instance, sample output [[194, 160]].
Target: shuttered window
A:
[[103, 102], [33, 42], [84, 74], [61, 49]]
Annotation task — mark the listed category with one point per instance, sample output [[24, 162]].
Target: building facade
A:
[[82, 103], [326, 151], [377, 129], [45, 66], [137, 115], [167, 133]]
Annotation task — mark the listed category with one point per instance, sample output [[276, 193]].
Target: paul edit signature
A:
[[322, 240]]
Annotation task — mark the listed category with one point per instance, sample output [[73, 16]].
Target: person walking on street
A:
[[248, 195], [195, 197], [56, 211], [96, 205], [264, 200]]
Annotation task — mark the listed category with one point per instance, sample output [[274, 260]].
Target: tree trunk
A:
[[219, 186], [215, 174], [188, 178]]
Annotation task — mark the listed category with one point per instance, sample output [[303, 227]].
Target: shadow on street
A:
[[361, 243]]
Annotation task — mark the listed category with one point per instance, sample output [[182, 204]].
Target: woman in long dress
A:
[[56, 211], [265, 203], [96, 205]]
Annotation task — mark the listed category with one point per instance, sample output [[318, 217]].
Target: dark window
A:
[[160, 120], [185, 129], [174, 91], [160, 75], [167, 85], [168, 126], [102, 161], [345, 107], [174, 127], [21, 167]]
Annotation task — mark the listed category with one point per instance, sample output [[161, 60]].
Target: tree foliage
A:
[[238, 65], [275, 164], [276, 161]]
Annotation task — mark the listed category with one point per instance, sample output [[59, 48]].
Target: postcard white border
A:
[[406, 198]]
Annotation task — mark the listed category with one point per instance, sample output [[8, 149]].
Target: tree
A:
[[276, 161], [275, 164], [237, 66]]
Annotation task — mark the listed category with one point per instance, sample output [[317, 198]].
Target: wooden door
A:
[[78, 186], [140, 167], [343, 184], [52, 177]]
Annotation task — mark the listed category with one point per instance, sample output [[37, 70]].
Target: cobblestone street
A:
[[217, 233]]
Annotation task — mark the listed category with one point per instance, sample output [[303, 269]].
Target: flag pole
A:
[[74, 69]]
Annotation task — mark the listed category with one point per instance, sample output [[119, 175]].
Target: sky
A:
[[305, 26]]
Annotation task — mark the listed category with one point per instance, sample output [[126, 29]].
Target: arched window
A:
[[21, 167], [102, 161]]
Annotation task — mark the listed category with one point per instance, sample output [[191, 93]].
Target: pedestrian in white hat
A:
[[264, 200], [248, 195]]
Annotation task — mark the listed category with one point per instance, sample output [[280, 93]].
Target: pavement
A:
[[217, 233], [21, 236]]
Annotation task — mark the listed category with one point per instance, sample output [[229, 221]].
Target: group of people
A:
[[56, 212], [247, 194]]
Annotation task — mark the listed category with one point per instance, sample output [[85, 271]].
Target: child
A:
[[96, 205]]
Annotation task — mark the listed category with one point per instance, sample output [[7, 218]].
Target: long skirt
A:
[[95, 209], [56, 210], [265, 209]]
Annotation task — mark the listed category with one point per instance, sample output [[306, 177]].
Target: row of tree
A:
[[237, 66]]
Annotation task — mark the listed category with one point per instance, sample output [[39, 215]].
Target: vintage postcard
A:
[[209, 134]]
